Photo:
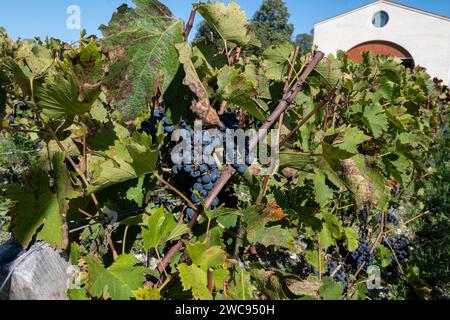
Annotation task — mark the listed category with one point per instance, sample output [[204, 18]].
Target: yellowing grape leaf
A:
[[195, 279], [206, 257], [147, 294], [229, 21], [37, 58]]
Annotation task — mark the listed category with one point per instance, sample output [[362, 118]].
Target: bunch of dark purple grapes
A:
[[241, 159], [400, 245], [362, 256], [390, 215], [202, 176], [338, 275], [150, 126]]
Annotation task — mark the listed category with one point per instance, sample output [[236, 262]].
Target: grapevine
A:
[[107, 183]]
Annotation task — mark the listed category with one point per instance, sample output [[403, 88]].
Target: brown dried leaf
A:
[[201, 107]]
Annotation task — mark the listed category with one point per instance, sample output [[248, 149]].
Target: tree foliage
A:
[[271, 23]]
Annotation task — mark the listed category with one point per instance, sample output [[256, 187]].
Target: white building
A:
[[385, 27]]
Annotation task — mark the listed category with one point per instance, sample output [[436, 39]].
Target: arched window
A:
[[380, 19]]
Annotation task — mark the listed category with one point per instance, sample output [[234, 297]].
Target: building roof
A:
[[392, 3]]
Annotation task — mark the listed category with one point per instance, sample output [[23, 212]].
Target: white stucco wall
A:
[[425, 36]]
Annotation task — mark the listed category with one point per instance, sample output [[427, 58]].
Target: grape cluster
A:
[[200, 177], [400, 244], [161, 197], [331, 268], [361, 255], [339, 275], [241, 158], [149, 126], [391, 218]]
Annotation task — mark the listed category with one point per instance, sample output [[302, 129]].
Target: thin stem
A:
[[124, 241], [223, 107], [395, 257], [190, 23], [377, 241], [86, 214], [110, 243], [166, 282], [178, 192], [319, 255], [291, 70], [159, 258], [85, 155], [408, 222], [211, 280], [308, 117]]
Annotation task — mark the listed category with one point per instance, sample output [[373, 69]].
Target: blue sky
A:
[[29, 18]]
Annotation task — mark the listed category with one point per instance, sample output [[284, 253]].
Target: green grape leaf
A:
[[326, 238], [323, 193], [240, 286], [20, 74], [116, 282], [55, 230], [295, 160], [313, 259], [229, 21], [205, 256], [220, 212], [277, 61], [331, 290], [384, 256], [59, 97], [99, 112], [366, 183], [257, 232], [237, 88], [349, 139], [195, 279], [141, 43], [161, 228], [303, 288], [376, 119], [128, 159], [77, 294], [272, 236], [136, 194], [269, 283], [351, 238], [329, 70], [37, 205]]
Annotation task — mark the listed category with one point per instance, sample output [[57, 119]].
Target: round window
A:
[[380, 19]]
